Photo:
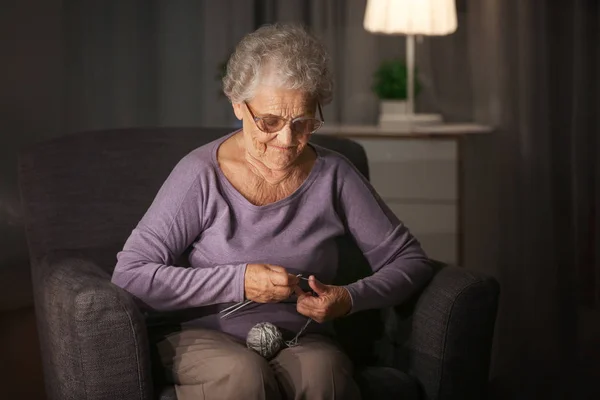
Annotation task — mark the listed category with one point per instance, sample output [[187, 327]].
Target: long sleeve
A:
[[400, 267], [171, 224]]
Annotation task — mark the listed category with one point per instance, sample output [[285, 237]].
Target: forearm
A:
[[390, 285], [163, 287]]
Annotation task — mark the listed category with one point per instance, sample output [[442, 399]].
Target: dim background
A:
[[528, 68]]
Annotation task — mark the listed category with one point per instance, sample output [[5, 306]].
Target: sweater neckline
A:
[[240, 199]]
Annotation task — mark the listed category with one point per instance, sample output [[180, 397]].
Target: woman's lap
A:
[[206, 364], [315, 369]]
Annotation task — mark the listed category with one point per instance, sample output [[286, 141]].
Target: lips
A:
[[280, 148]]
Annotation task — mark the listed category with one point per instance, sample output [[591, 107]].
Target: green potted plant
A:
[[390, 84]]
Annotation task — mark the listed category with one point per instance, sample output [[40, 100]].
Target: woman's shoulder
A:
[[200, 162], [336, 162]]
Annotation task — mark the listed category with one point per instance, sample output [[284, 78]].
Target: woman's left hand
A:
[[331, 301]]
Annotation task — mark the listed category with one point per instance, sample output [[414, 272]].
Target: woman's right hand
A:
[[266, 283]]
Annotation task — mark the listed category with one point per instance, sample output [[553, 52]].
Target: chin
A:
[[280, 162], [278, 165], [279, 158]]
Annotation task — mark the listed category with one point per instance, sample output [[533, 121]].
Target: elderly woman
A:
[[257, 208]]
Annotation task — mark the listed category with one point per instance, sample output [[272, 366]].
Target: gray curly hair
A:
[[284, 52]]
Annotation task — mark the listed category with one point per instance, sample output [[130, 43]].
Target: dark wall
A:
[[31, 104], [31, 99]]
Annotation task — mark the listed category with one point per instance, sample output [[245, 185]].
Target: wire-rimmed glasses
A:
[[304, 126]]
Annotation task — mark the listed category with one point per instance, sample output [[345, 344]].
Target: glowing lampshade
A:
[[411, 17]]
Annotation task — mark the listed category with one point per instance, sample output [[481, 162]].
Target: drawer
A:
[[416, 179], [426, 218], [382, 150], [440, 246]]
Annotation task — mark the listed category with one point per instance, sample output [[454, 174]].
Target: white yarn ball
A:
[[266, 339]]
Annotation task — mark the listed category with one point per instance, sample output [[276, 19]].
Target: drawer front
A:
[[413, 169], [415, 180], [426, 218]]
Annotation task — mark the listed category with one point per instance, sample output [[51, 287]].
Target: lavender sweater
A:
[[197, 206]]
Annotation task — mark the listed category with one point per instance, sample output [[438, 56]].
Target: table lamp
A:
[[410, 18]]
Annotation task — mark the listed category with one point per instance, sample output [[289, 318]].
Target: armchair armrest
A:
[[451, 337], [93, 337]]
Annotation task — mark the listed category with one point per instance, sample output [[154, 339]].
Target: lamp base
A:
[[403, 121]]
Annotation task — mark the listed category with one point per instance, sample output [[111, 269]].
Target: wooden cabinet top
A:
[[439, 131]]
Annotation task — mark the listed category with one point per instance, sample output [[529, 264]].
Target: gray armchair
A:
[[82, 195]]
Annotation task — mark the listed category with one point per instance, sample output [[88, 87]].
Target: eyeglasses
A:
[[301, 125]]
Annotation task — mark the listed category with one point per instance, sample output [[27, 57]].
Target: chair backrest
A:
[[88, 190]]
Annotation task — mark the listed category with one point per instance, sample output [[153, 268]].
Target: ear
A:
[[237, 110]]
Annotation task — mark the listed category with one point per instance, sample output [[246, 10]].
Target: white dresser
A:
[[420, 176]]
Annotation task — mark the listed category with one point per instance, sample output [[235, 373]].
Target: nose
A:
[[285, 135]]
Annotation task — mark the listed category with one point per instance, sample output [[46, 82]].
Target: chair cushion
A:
[[377, 383]]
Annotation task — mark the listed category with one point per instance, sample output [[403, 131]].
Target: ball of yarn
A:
[[266, 339]]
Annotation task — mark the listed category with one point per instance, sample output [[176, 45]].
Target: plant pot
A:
[[393, 107], [393, 114]]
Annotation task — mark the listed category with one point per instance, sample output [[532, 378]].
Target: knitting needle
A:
[[234, 306], [239, 308]]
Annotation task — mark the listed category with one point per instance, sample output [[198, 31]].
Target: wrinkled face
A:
[[278, 150]]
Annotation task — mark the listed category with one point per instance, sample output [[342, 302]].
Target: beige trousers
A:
[[206, 364]]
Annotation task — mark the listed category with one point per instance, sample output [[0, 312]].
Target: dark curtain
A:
[[154, 62], [536, 78]]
